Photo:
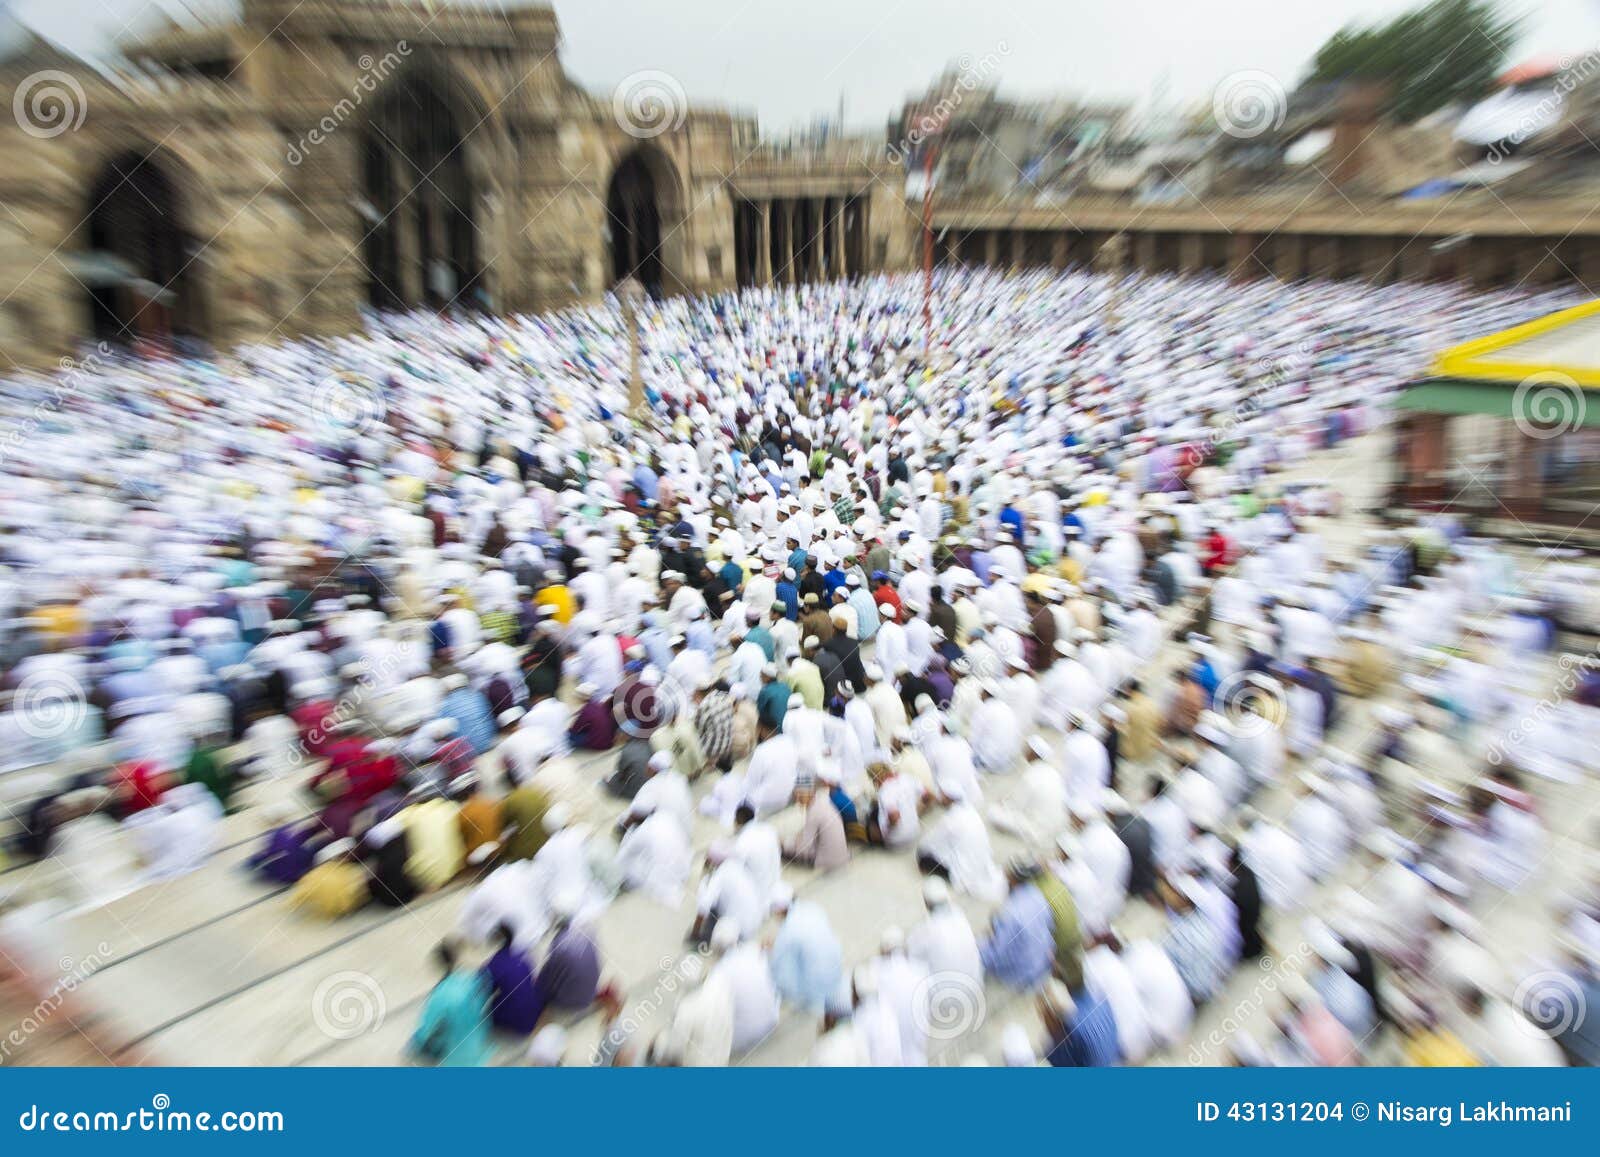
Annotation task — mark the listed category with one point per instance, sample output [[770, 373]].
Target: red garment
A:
[[454, 757], [1218, 551], [138, 786], [887, 594], [315, 721]]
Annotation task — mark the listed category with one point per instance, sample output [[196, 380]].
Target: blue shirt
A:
[[1022, 946], [1089, 1036], [789, 596], [474, 719]]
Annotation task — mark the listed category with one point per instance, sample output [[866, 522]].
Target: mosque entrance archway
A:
[[418, 201], [139, 271], [642, 221]]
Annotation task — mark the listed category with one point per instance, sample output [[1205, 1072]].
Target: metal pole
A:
[[927, 248]]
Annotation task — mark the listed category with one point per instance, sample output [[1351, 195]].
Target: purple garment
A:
[[595, 728], [285, 858], [571, 973], [501, 696], [515, 1002]]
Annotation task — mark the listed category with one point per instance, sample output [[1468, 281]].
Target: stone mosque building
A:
[[271, 177]]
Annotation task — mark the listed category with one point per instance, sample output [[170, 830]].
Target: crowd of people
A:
[[1047, 613]]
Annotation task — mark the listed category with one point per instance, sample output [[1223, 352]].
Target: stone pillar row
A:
[[800, 239]]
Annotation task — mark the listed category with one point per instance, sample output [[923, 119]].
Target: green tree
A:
[[1446, 50]]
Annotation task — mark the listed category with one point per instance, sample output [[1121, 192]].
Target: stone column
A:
[[790, 251], [1191, 253], [764, 252], [838, 239], [409, 274]]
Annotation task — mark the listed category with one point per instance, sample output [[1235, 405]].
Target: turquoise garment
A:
[[455, 1022]]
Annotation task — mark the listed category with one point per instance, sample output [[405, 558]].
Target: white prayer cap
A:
[[1325, 944], [886, 610], [893, 939], [782, 897], [796, 702], [725, 935], [510, 715], [548, 1045], [335, 850], [1059, 998], [660, 761], [1015, 1048], [935, 892], [1212, 727], [453, 682], [564, 905], [557, 818], [1040, 746], [1113, 803], [280, 813]]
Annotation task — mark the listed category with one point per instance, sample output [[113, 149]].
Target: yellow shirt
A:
[[61, 621], [433, 836], [331, 890], [560, 601], [1438, 1049]]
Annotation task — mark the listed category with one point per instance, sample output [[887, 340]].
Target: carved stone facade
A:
[[273, 177], [324, 155]]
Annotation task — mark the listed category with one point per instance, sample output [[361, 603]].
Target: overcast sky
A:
[[790, 62]]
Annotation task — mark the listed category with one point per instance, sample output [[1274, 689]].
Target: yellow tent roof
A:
[[1562, 345]]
